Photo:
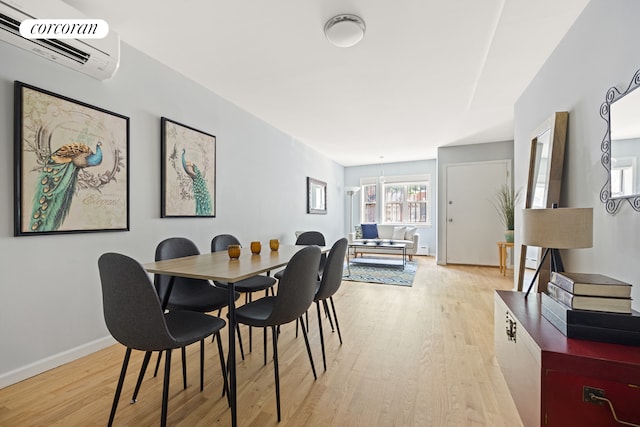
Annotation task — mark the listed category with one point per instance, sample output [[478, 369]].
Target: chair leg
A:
[[225, 387], [143, 369], [328, 313], [240, 340], [184, 367], [201, 365], [274, 333], [335, 317], [123, 371], [306, 341], [264, 340], [165, 389], [155, 371], [248, 299], [324, 359]]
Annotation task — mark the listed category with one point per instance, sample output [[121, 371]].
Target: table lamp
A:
[[554, 229]]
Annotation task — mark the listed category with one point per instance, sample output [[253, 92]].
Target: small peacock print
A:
[[200, 191]]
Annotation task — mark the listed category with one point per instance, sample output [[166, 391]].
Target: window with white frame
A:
[[397, 200]]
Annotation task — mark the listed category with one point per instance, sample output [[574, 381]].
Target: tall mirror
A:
[[543, 183], [621, 146]]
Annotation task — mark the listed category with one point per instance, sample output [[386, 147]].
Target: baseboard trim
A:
[[54, 361]]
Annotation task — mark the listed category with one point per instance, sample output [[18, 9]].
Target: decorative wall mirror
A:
[[621, 147], [544, 181], [316, 196]]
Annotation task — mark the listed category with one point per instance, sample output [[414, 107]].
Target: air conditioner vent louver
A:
[[98, 58], [11, 25]]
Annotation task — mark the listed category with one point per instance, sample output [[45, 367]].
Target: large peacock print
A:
[[57, 184], [200, 191]]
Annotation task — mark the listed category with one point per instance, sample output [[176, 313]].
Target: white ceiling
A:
[[428, 73]]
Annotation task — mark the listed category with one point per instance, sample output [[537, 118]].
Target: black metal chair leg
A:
[[275, 368], [306, 341], [155, 371], [264, 340], [116, 398], [201, 365], [248, 299], [165, 389], [225, 387], [143, 369], [326, 311], [184, 367], [324, 359], [240, 340], [335, 317]]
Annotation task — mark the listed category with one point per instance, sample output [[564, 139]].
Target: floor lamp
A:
[[554, 229], [350, 192]]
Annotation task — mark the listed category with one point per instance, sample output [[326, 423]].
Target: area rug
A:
[[381, 274]]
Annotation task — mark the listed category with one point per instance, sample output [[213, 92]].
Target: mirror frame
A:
[[312, 208], [556, 124], [612, 204]]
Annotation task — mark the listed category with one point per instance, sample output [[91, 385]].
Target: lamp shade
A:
[[558, 228], [352, 190]]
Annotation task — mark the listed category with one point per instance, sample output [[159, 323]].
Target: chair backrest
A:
[[311, 238], [333, 270], [222, 241], [131, 306], [297, 287], [175, 247]]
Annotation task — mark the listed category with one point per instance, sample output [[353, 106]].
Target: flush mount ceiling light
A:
[[344, 30]]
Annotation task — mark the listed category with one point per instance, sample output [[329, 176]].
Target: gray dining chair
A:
[[247, 286], [186, 294], [310, 238], [329, 285], [135, 318], [296, 291]]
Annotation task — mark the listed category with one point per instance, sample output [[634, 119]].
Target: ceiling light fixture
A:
[[344, 30]]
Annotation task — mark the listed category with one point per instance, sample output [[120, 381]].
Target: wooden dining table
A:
[[219, 267]]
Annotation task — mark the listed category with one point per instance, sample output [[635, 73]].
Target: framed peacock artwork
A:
[[71, 165], [188, 171]]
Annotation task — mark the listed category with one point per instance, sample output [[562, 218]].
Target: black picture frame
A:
[[316, 196], [188, 171], [71, 165]]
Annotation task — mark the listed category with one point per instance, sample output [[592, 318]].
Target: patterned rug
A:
[[376, 273]]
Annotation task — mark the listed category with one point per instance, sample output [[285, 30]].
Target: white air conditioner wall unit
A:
[[98, 58]]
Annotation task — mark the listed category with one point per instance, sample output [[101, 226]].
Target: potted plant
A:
[[505, 203]]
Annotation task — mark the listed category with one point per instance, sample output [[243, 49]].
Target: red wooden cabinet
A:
[[546, 372]]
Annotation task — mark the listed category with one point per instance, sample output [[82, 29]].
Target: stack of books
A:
[[592, 307]]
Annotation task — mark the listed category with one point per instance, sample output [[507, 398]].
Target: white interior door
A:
[[472, 223]]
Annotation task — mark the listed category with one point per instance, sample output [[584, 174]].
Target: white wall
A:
[[599, 51], [353, 174], [50, 292]]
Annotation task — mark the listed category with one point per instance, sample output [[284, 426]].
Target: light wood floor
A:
[[412, 356]]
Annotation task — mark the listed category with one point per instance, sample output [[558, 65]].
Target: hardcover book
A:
[[598, 319], [591, 284], [591, 333], [581, 302]]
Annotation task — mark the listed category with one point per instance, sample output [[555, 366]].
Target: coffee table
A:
[[381, 246]]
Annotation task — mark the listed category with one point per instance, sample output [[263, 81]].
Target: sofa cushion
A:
[[358, 231], [370, 231], [398, 233], [409, 233]]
